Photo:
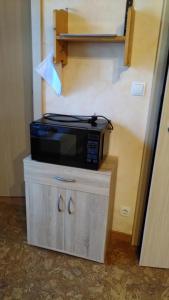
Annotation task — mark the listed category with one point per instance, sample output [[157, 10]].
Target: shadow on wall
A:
[[128, 148], [81, 56], [89, 64], [91, 60], [79, 24]]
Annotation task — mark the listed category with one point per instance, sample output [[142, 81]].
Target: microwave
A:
[[72, 143]]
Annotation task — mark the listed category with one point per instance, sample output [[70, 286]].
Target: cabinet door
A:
[[85, 224], [155, 246], [45, 215]]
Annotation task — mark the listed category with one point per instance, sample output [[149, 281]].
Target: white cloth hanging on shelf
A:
[[51, 73]]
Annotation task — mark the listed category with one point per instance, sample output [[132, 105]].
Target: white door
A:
[[45, 215], [85, 224], [155, 247], [15, 93]]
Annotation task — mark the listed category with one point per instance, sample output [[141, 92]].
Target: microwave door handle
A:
[[64, 179]]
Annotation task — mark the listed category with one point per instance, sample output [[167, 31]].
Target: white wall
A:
[[96, 81]]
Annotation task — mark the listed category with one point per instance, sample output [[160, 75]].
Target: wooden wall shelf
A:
[[62, 37], [91, 38]]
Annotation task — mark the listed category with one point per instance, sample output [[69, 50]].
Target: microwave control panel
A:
[[92, 150]]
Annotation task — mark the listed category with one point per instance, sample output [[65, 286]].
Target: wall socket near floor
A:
[[124, 211]]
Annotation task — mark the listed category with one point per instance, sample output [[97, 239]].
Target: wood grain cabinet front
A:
[[67, 220], [45, 215], [85, 226]]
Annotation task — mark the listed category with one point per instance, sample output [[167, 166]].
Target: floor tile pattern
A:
[[30, 273]]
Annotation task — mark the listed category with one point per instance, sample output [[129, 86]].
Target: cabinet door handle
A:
[[70, 203], [64, 179], [60, 203]]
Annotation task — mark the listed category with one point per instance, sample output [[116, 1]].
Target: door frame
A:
[[37, 55], [154, 250], [152, 126]]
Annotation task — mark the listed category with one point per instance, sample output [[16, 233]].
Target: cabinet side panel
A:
[[110, 211], [27, 194]]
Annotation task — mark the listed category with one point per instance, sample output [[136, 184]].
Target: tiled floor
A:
[[32, 273]]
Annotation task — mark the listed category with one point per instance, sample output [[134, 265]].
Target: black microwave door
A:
[[72, 149], [63, 147], [44, 144]]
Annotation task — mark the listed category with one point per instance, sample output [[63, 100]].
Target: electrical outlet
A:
[[125, 211]]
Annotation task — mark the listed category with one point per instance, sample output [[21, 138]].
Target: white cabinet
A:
[[69, 209]]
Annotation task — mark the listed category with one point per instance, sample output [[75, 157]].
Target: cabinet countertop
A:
[[106, 167]]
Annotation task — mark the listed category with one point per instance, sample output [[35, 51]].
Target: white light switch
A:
[[138, 88]]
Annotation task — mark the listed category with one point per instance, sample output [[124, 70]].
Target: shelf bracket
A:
[[129, 36], [60, 26]]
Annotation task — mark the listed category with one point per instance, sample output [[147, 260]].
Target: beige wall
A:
[[96, 81]]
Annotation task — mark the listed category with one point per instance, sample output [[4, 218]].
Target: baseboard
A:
[[120, 236]]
